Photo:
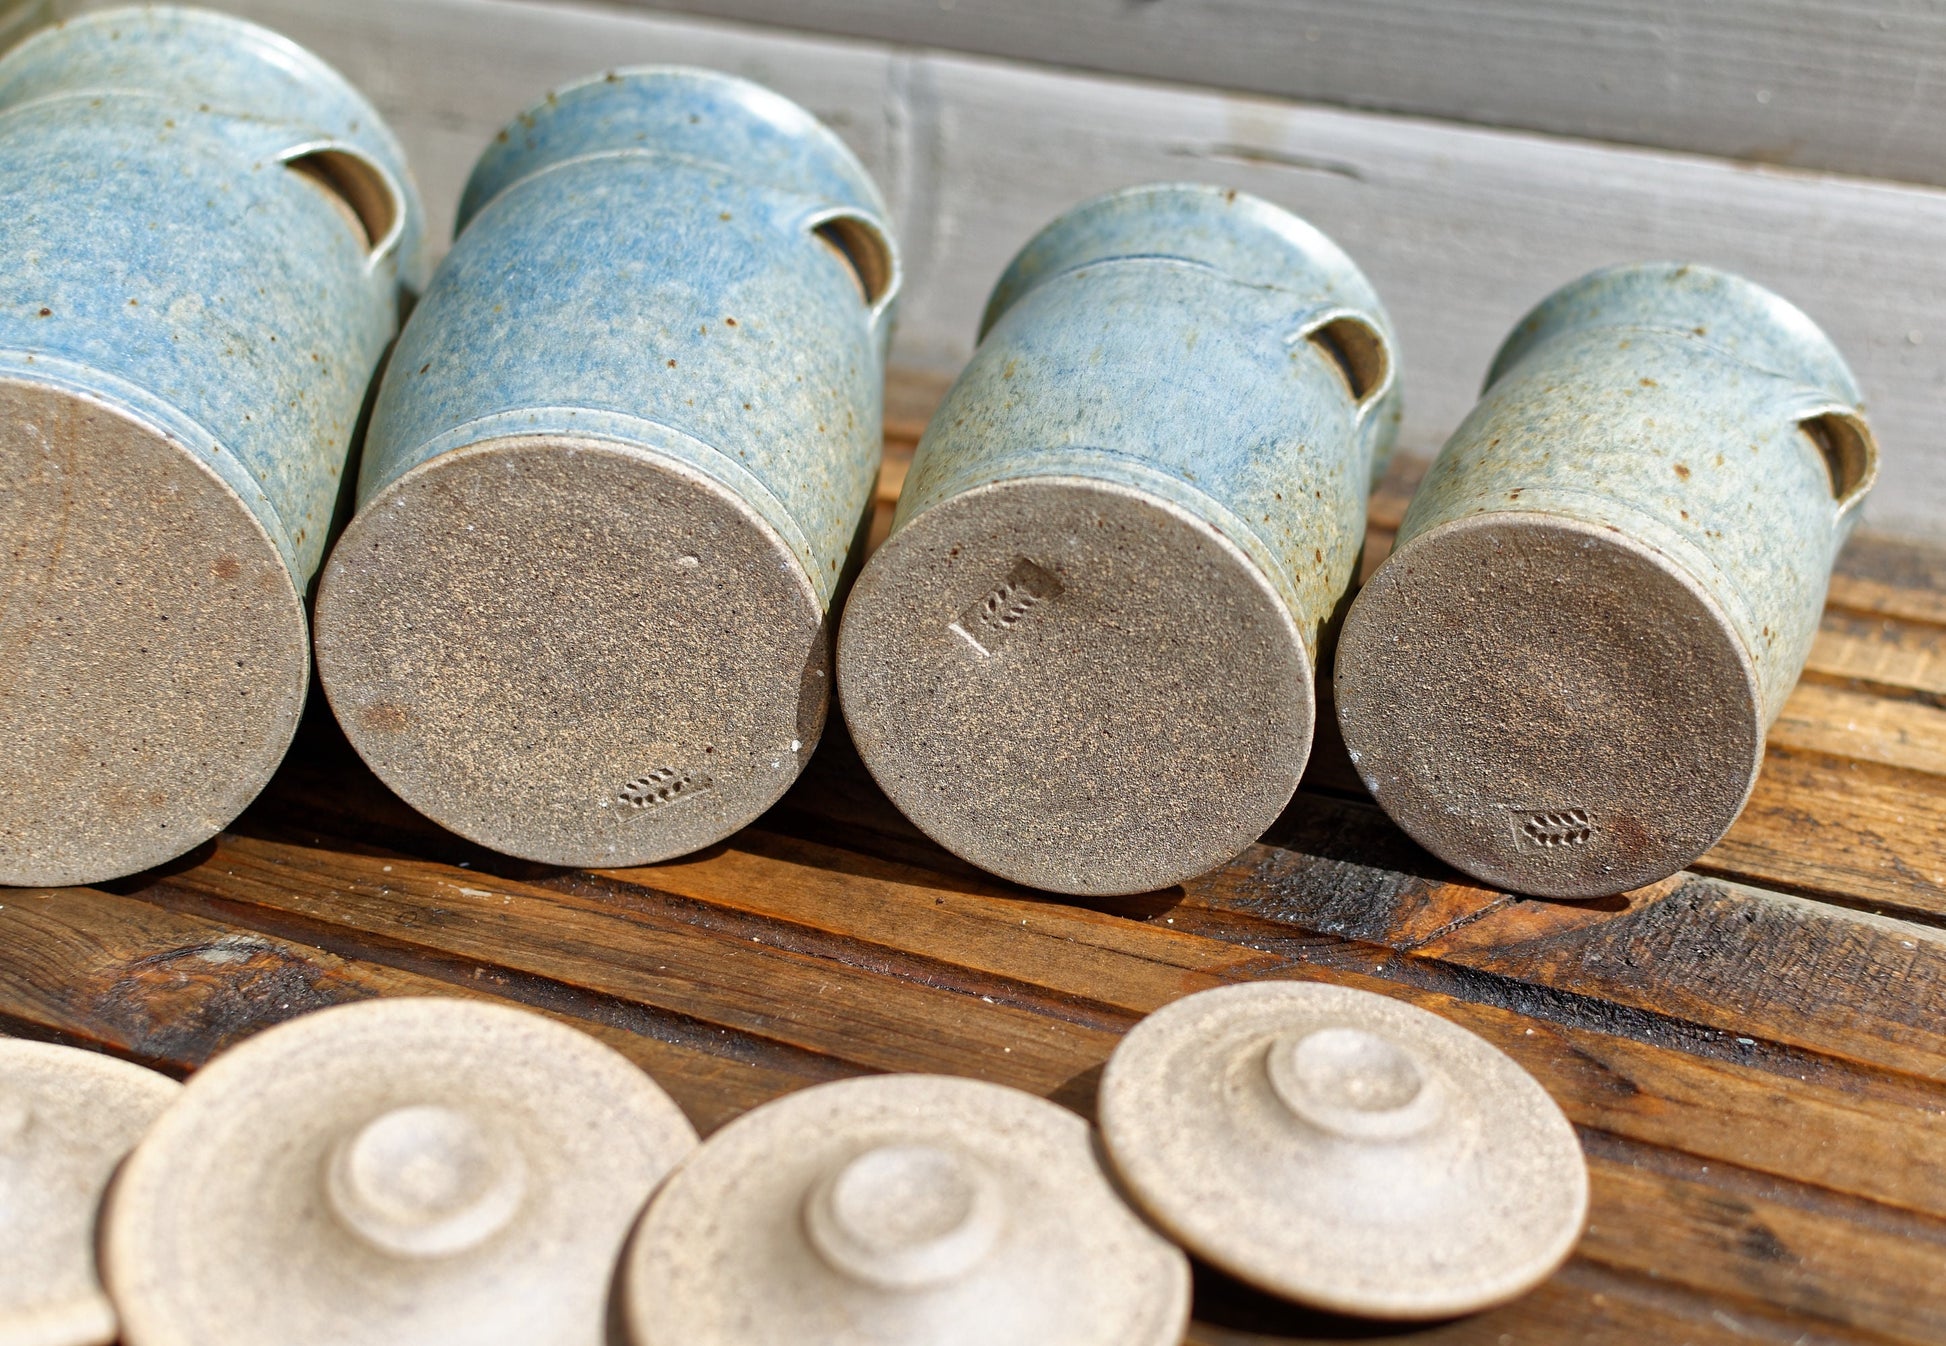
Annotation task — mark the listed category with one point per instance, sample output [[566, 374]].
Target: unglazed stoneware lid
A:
[[67, 1117], [153, 651], [1548, 705], [573, 651], [1076, 685], [900, 1208], [1344, 1150], [397, 1172]]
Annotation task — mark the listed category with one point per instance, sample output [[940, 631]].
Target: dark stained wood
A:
[[1754, 1053]]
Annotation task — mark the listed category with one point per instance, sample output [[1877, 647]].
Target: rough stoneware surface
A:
[[390, 1173], [1561, 678], [616, 469], [1097, 615], [1344, 1150], [67, 1117], [191, 331], [914, 1209]]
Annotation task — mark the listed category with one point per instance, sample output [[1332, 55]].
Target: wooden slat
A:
[[1767, 1119], [171, 990], [1891, 577], [1848, 831], [1042, 1010], [1819, 718], [1845, 86], [1586, 1304]]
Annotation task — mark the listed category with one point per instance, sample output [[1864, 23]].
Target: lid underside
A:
[[900, 1208], [1076, 686], [153, 653], [67, 1117], [1344, 1150], [573, 651], [389, 1173], [1548, 706]]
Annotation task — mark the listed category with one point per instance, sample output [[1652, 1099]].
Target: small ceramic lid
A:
[[397, 1171], [1344, 1150], [908, 1209], [67, 1117]]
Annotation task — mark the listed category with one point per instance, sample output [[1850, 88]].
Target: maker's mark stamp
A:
[[1548, 829], [664, 785], [1001, 611]]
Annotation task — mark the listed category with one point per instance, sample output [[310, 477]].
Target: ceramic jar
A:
[[1561, 679], [1084, 658], [617, 467], [205, 231]]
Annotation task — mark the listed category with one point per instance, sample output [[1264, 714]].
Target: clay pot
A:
[[1084, 658]]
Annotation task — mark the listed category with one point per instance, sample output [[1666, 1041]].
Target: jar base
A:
[[574, 651], [1547, 705], [153, 653], [1076, 685]]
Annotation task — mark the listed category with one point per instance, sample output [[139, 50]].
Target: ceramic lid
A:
[[902, 1208], [1344, 1150], [67, 1117], [398, 1171]]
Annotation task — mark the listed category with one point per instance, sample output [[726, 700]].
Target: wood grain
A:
[[1845, 86]]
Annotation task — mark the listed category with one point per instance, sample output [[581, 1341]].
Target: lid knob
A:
[[425, 1181], [1354, 1084], [905, 1217]]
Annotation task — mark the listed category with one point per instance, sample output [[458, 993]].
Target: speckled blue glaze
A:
[[160, 256], [637, 261], [215, 63], [1157, 338], [1665, 401]]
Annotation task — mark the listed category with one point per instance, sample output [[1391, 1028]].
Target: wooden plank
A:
[[1846, 86], [1839, 721], [1709, 962], [742, 976], [1848, 1253], [1763, 1118], [171, 990], [1863, 835], [1741, 1240], [1892, 577], [1880, 654], [1584, 1303]]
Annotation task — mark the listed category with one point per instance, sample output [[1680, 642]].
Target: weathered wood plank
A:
[[1742, 1240], [1840, 721], [904, 1014], [1759, 1117], [1863, 835], [171, 990], [1584, 1303], [1835, 86], [1893, 577]]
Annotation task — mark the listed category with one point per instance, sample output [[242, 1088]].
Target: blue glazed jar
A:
[[1084, 658], [1561, 679], [205, 232], [617, 466]]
